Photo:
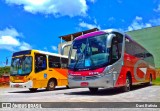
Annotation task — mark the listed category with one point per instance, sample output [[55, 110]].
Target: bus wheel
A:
[[33, 89], [93, 90], [67, 87], [150, 80], [51, 85], [127, 86]]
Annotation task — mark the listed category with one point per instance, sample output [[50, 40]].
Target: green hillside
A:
[[149, 38]]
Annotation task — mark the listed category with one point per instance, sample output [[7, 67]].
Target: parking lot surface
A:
[[140, 93]]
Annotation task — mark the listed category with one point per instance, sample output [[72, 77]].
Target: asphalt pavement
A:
[[140, 93]]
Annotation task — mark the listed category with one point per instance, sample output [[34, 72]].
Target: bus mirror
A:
[[63, 46], [109, 40]]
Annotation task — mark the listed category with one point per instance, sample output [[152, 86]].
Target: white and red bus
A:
[[109, 59]]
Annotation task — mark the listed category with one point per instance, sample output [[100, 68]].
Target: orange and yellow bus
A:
[[35, 69]]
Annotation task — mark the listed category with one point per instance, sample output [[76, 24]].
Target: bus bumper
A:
[[105, 81], [28, 84]]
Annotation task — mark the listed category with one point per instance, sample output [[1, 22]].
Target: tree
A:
[[5, 69]]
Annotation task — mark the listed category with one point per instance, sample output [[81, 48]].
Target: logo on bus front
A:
[[83, 78]]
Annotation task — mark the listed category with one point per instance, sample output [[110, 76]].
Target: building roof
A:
[[74, 35]]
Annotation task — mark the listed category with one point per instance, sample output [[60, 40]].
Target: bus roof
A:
[[90, 35], [52, 54], [97, 33], [25, 52]]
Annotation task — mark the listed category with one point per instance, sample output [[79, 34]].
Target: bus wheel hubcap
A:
[[127, 84], [150, 80], [51, 84]]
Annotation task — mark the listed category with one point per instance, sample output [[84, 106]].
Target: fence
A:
[[4, 80]]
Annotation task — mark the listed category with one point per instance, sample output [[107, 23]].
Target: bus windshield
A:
[[21, 65], [89, 53]]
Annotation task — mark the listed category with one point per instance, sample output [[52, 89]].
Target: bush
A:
[[5, 69]]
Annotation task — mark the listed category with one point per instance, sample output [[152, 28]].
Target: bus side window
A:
[[64, 62], [54, 62], [114, 50], [40, 62]]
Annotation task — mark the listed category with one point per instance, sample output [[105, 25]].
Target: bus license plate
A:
[[16, 85], [84, 83]]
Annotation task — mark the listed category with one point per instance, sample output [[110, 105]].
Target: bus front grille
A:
[[80, 78]]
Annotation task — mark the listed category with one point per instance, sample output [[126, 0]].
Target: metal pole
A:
[[71, 37], [61, 40]]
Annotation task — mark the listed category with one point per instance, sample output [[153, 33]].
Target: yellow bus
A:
[[35, 69]]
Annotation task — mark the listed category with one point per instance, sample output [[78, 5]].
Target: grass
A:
[[157, 81]]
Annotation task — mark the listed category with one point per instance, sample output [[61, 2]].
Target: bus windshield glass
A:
[[21, 65], [89, 53]]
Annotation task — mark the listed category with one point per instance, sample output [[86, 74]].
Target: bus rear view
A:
[[101, 60]]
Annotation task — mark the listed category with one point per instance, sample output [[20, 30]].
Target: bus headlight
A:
[[109, 69], [70, 77], [100, 75]]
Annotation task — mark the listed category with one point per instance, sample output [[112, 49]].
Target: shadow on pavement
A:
[[105, 92], [101, 92], [39, 90]]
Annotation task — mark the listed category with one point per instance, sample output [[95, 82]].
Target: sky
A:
[[37, 24]]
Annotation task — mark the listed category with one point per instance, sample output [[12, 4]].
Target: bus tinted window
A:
[[138, 51], [21, 65], [149, 58], [40, 62], [134, 49], [116, 47], [64, 62], [54, 62]]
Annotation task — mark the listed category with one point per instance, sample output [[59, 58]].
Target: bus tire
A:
[[127, 86], [33, 89], [93, 90], [51, 85], [67, 87], [150, 80]]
